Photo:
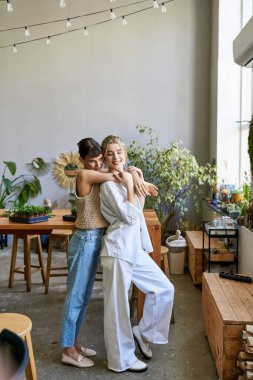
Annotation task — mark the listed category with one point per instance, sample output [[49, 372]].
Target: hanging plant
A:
[[38, 166], [65, 169]]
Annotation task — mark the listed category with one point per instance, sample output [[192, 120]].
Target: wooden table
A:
[[56, 222], [42, 228]]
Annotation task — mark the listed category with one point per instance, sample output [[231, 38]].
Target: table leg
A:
[[27, 253]]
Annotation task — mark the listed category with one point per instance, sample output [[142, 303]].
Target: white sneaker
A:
[[138, 366], [88, 352], [81, 362], [143, 346]]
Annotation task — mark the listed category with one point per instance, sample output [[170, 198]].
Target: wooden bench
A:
[[227, 306]]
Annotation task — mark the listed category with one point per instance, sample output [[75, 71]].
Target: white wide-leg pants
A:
[[155, 323]]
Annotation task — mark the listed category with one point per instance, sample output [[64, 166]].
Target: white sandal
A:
[[81, 361]]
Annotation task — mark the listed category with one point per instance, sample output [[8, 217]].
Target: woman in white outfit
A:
[[125, 259]]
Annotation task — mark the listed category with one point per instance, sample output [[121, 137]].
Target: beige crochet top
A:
[[88, 210]]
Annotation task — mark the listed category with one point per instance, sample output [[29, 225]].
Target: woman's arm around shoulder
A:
[[86, 178]]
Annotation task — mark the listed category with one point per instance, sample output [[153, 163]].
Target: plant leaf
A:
[[11, 166], [8, 185]]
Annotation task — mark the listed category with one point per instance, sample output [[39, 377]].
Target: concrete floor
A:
[[186, 356]]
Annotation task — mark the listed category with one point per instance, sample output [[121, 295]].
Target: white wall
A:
[[154, 71], [245, 251]]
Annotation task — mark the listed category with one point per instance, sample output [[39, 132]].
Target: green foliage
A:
[[175, 172], [29, 210], [236, 192], [18, 189], [246, 188]]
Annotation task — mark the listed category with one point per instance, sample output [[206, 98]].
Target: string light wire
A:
[[82, 27], [74, 17]]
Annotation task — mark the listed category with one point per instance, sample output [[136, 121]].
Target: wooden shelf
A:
[[225, 256]]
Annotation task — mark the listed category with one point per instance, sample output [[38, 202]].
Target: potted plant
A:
[[18, 189], [237, 196], [29, 214], [175, 171]]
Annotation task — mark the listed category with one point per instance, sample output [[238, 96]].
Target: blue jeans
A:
[[83, 257]]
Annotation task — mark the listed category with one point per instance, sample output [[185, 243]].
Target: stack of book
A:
[[245, 357]]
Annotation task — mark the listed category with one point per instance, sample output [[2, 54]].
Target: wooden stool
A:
[[165, 269], [27, 259], [22, 326], [56, 235]]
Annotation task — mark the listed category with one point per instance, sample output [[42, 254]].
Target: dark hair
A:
[[89, 148]]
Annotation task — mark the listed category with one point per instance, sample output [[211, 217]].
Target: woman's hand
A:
[[152, 189], [140, 187], [133, 169], [143, 188], [125, 178]]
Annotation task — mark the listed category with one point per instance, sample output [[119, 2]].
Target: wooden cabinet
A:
[[195, 246], [226, 308]]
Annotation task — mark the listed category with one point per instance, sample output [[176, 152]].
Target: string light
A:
[[164, 9], [113, 15], [69, 23], [15, 50], [48, 41], [124, 21], [62, 4], [155, 4], [112, 1], [83, 15], [9, 6], [85, 32], [27, 32]]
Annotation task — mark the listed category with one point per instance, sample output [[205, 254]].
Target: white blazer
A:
[[127, 234]]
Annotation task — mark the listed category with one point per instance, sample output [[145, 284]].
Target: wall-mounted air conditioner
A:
[[243, 45]]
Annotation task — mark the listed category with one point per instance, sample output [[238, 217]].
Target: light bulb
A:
[[27, 32], [124, 21], [62, 4], [9, 6], [48, 41], [164, 9], [69, 23], [112, 1], [85, 32], [113, 15], [15, 50], [155, 4]]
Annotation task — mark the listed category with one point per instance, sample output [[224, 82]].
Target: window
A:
[[234, 96], [246, 101]]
